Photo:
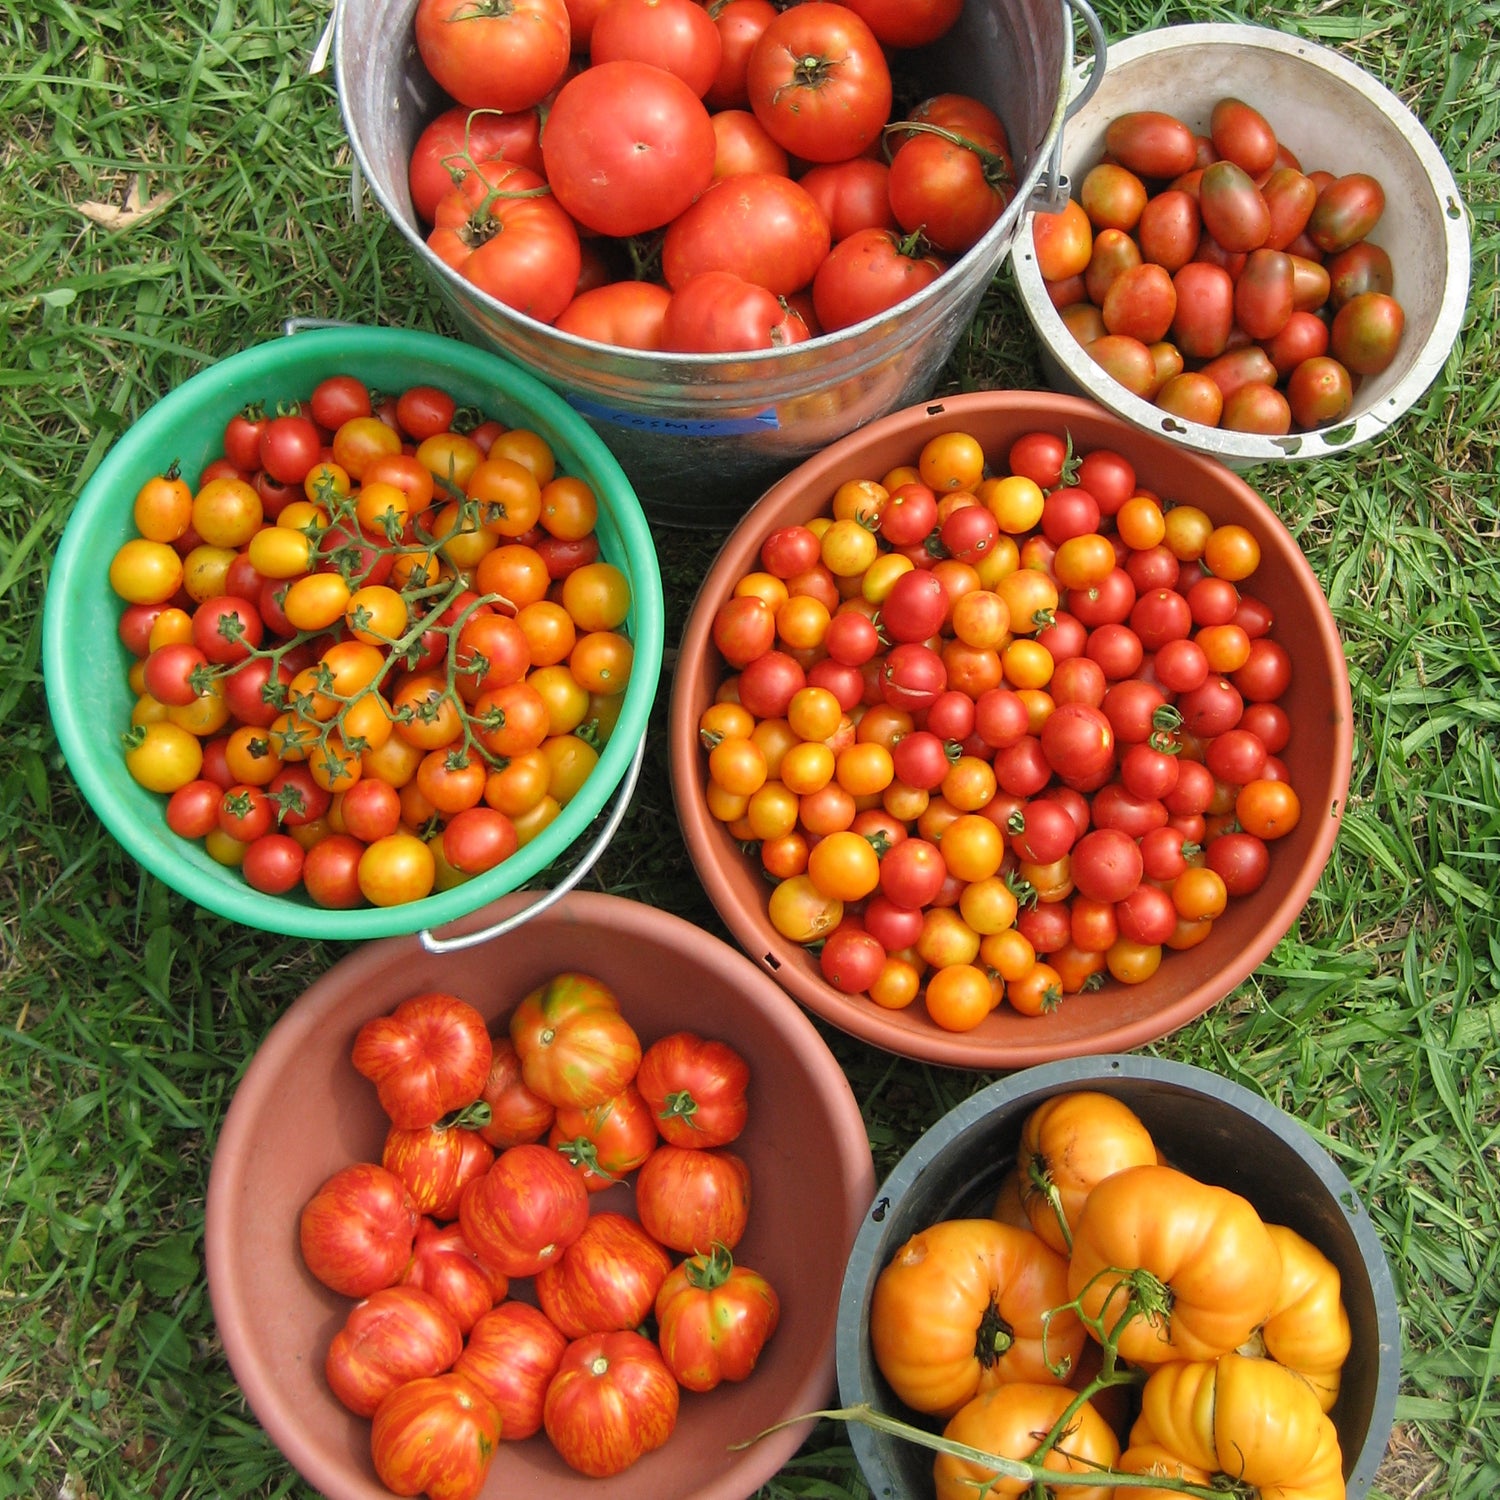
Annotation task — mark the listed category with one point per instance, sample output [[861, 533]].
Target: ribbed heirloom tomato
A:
[[430, 1055], [606, 1279], [525, 1211], [611, 1401], [959, 1310], [714, 1318], [1206, 1247], [574, 1045], [438, 1434], [396, 1334], [696, 1089]]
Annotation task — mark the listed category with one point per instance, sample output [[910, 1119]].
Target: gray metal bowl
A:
[[1335, 117]]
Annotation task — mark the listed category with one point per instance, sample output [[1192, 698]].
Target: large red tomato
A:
[[949, 186], [525, 1211], [870, 272], [627, 147], [437, 1435], [356, 1231], [612, 1400], [459, 137], [744, 146], [907, 23], [500, 229], [626, 313], [819, 82], [692, 1200], [852, 194], [396, 1334], [717, 312], [696, 1089], [677, 35], [512, 1354], [494, 54], [429, 1056], [763, 227], [740, 24], [607, 1278]]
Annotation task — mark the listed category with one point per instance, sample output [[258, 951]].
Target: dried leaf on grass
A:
[[116, 216]]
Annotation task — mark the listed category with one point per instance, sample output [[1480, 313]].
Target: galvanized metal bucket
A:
[[701, 435]]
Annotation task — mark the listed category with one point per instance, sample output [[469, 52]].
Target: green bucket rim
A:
[[85, 674]]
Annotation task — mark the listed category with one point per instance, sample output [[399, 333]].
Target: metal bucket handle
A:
[[435, 944], [1052, 189]]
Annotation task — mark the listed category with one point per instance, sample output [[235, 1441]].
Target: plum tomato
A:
[[1151, 143]]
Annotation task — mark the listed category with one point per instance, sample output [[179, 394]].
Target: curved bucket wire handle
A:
[[434, 944], [1052, 189]]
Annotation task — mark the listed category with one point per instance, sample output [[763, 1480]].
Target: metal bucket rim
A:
[[989, 252]]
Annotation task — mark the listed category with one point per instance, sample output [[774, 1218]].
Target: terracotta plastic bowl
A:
[[1335, 116], [1116, 1017], [302, 1112], [1206, 1126]]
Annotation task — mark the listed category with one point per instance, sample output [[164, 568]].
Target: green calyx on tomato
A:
[[993, 1338], [709, 1271]]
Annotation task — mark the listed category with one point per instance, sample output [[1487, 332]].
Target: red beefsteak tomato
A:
[[429, 1056], [819, 82], [525, 1211], [713, 1319], [627, 147], [612, 1400], [437, 1435], [494, 54]]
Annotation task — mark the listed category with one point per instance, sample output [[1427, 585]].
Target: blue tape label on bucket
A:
[[678, 426]]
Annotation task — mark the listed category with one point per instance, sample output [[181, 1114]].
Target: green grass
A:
[[126, 1015]]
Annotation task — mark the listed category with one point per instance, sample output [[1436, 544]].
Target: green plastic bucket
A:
[[85, 665]]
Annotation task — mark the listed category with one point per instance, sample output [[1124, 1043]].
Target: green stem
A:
[[1004, 1468]]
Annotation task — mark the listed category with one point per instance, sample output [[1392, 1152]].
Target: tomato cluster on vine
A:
[[695, 178], [1210, 274], [377, 648], [1116, 1315], [999, 734], [497, 1151]]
